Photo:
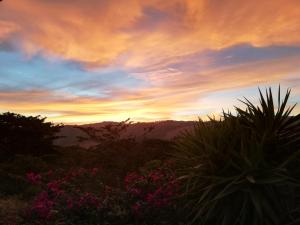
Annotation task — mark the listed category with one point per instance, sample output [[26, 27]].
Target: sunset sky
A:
[[82, 61]]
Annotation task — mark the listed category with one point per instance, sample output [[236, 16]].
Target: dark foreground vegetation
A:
[[243, 169]]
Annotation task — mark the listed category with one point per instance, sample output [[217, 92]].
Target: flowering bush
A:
[[79, 197], [74, 197], [152, 195]]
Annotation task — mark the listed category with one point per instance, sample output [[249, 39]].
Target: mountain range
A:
[[165, 130]]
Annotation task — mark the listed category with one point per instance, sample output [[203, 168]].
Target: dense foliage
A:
[[79, 197], [243, 169], [94, 177], [240, 170], [119, 152], [25, 135]]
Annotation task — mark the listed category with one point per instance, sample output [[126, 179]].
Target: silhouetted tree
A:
[[108, 136], [26, 135]]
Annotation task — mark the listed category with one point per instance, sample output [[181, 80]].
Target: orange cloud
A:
[[143, 38], [142, 33], [182, 99], [7, 28]]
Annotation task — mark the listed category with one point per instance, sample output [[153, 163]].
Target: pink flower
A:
[[149, 198], [49, 173], [136, 208], [54, 187], [88, 200], [42, 206], [81, 171], [74, 174], [135, 191], [132, 179], [70, 203], [107, 189], [156, 176], [33, 178], [94, 171]]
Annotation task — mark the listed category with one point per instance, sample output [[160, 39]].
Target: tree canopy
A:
[[28, 135]]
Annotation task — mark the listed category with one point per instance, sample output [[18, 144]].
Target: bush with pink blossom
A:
[[152, 195], [79, 197], [73, 197]]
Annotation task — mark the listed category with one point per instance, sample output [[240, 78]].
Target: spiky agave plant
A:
[[243, 169]]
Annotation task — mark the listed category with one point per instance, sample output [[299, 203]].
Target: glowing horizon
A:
[[90, 61]]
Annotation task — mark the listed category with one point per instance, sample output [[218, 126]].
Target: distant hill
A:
[[165, 130]]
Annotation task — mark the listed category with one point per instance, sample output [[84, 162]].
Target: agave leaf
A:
[[256, 201], [289, 159], [269, 212], [283, 104]]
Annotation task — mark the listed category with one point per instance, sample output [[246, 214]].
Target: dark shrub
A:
[[11, 184], [243, 169], [118, 152], [25, 135], [75, 197], [79, 197]]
